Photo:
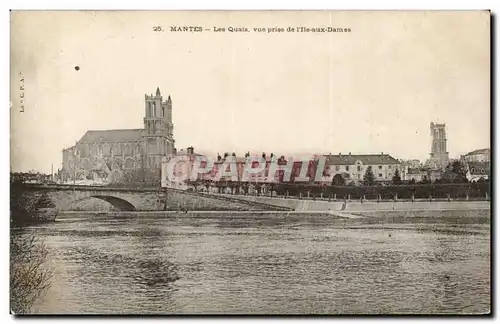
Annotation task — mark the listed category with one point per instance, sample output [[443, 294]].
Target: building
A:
[[413, 164], [417, 175], [477, 164], [477, 171], [482, 155], [353, 167], [112, 155], [439, 156]]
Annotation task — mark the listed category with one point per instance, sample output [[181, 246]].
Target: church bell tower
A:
[[158, 129], [439, 154]]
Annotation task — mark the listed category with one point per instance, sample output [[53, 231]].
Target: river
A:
[[268, 264]]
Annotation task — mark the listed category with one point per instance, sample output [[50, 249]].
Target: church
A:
[[120, 154]]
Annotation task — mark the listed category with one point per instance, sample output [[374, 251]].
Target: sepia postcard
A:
[[250, 162]]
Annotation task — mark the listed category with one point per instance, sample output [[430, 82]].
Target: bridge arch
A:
[[116, 202]]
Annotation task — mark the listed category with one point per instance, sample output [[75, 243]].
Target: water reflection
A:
[[222, 264]]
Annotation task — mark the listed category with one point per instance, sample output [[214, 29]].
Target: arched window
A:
[[154, 109], [129, 163]]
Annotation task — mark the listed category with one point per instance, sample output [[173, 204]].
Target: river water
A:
[[268, 264]]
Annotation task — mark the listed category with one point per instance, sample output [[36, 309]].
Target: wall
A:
[[148, 200], [316, 205]]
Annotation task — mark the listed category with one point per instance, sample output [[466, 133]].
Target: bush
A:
[[441, 190], [26, 206], [28, 279]]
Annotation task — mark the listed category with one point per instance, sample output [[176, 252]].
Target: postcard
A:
[[250, 162]]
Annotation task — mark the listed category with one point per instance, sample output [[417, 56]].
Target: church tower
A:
[[158, 129], [439, 155]]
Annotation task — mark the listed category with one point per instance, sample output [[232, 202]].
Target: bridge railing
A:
[[88, 187]]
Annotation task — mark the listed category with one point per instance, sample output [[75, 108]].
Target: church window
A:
[[129, 164], [154, 109], [162, 111]]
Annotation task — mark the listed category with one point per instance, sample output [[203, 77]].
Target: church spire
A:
[[158, 91]]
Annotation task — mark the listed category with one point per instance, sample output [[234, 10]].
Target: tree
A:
[[369, 177], [338, 180], [396, 179], [29, 278], [425, 180], [455, 171]]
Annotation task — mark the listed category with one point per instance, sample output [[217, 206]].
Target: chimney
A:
[[382, 153], [190, 150], [349, 153], [340, 154]]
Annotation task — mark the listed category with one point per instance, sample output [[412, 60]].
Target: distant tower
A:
[[158, 129], [439, 155]]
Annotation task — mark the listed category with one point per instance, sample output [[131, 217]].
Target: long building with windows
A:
[[352, 167]]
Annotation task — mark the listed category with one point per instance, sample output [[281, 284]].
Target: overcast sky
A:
[[375, 89]]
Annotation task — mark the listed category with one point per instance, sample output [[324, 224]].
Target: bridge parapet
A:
[[145, 199], [40, 186]]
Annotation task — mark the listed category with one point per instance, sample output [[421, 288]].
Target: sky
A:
[[374, 89]]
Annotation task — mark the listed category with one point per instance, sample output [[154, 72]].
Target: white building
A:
[[353, 166], [478, 170], [482, 155]]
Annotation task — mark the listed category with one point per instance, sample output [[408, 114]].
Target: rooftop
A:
[[351, 159], [480, 151], [112, 135]]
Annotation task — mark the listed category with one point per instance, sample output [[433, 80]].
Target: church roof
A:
[[366, 159], [112, 135]]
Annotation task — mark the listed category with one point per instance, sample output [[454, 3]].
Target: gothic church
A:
[[108, 154]]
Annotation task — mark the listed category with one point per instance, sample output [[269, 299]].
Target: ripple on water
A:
[[224, 266]]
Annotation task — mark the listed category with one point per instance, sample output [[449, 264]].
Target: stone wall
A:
[[317, 205], [179, 200], [123, 199]]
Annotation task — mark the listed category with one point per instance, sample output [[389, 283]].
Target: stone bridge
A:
[[144, 199]]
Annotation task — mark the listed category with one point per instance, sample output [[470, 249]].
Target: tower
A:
[[439, 155], [158, 129]]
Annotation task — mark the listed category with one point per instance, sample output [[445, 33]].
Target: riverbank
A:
[[332, 214], [367, 205]]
